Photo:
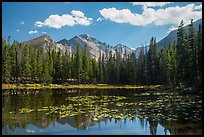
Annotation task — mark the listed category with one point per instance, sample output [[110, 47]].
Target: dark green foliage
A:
[[131, 67], [39, 66], [171, 63], [34, 64], [85, 65], [78, 64], [25, 69], [153, 62], [199, 56], [6, 66], [164, 68], [179, 64]]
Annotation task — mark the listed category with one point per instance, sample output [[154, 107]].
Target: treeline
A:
[[178, 64]]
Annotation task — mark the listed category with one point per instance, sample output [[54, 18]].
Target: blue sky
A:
[[129, 23]]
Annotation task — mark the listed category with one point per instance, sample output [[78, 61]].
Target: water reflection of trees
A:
[[15, 99]]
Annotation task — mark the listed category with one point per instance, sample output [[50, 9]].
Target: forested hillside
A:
[[178, 65]]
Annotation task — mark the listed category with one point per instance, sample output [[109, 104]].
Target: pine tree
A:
[[124, 71], [153, 64], [131, 66], [103, 68], [192, 55], [91, 77], [51, 64], [54, 58], [180, 49], [59, 66], [100, 64], [13, 61], [72, 65], [141, 67], [45, 73], [163, 67], [111, 68], [78, 64], [34, 73], [199, 56], [118, 62], [39, 66], [186, 61], [85, 64], [95, 71], [65, 67], [171, 63], [6, 66], [26, 65]]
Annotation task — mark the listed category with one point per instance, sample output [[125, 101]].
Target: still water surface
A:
[[137, 112]]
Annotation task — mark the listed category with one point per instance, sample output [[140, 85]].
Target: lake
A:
[[100, 112]]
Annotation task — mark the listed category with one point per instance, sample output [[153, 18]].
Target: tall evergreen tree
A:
[[95, 70], [199, 55], [13, 61], [45, 73], [65, 67], [100, 64], [180, 49], [118, 62], [131, 66], [163, 67], [26, 65], [192, 54], [39, 66], [141, 67], [153, 64], [78, 64], [59, 66], [85, 64], [6, 66], [171, 63], [34, 64]]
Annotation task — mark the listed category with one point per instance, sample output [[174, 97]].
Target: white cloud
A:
[[151, 4], [199, 7], [57, 21], [77, 13], [17, 30], [173, 27], [33, 32], [22, 23], [99, 19], [170, 15], [39, 24], [44, 32]]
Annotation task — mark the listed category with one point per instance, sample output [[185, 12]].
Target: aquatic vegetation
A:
[[152, 106], [86, 108], [25, 110], [79, 86]]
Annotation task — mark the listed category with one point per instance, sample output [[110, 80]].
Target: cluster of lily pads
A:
[[167, 106], [25, 110]]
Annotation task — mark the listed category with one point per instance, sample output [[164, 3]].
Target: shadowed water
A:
[[102, 112]]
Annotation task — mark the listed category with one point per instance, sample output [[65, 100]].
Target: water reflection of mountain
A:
[[12, 101], [78, 122]]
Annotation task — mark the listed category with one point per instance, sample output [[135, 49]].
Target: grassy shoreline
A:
[[79, 86]]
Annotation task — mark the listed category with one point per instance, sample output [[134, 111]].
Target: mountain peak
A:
[[85, 36], [45, 36], [120, 45], [63, 41]]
